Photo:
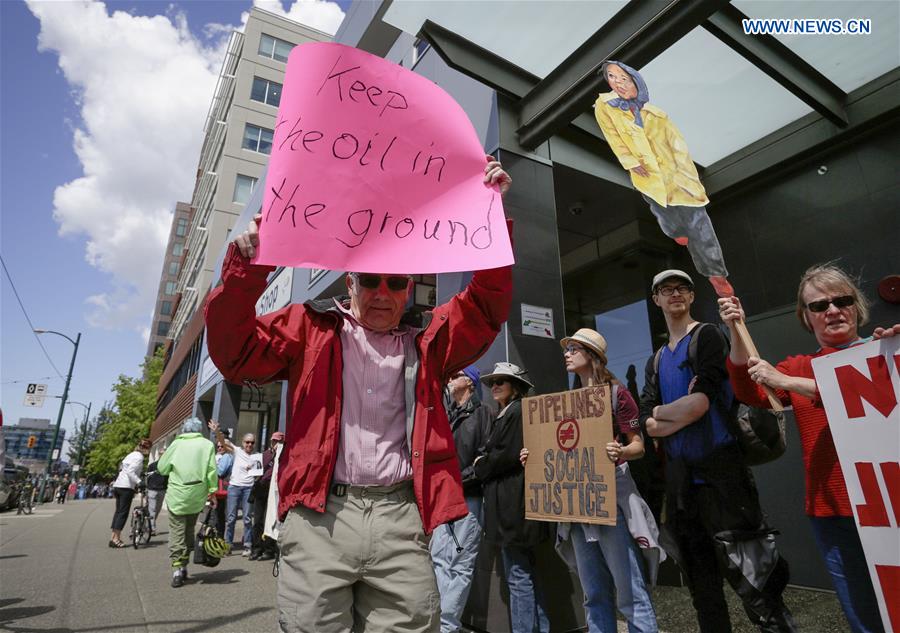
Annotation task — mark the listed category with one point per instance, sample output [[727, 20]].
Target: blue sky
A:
[[101, 115]]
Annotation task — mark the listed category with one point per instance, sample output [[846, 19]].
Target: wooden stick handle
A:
[[744, 335]]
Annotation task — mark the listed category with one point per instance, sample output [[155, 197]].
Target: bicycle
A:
[[26, 500], [140, 520]]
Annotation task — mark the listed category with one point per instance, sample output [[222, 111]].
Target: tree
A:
[[87, 433], [129, 421]]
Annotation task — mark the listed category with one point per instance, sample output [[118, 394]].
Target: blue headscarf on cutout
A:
[[643, 95]]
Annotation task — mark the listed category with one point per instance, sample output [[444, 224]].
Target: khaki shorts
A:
[[363, 565]]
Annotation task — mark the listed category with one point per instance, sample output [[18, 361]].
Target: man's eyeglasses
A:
[[497, 382], [457, 375], [251, 442], [844, 301], [395, 283], [668, 291]]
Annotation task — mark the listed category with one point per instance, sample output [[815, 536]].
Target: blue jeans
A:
[[453, 570], [526, 603], [612, 576], [239, 495], [839, 543]]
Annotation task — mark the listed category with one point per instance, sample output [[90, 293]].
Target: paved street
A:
[[59, 576]]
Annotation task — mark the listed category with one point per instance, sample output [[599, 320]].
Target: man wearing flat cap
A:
[[264, 548], [454, 545]]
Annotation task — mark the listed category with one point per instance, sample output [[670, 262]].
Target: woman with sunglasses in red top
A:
[[832, 307]]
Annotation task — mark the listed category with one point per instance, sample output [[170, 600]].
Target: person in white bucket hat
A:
[[503, 479]]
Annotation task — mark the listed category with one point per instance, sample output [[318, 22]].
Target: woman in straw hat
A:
[[606, 557], [503, 479]]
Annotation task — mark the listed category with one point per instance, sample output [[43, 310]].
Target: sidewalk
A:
[[57, 575], [60, 576]]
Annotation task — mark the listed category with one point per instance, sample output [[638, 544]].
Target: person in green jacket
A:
[[190, 464]]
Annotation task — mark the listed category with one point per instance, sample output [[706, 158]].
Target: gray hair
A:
[[829, 277], [191, 425]]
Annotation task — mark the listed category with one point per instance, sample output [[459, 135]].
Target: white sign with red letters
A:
[[860, 388]]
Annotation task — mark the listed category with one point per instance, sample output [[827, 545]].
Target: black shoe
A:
[[266, 556], [177, 579]]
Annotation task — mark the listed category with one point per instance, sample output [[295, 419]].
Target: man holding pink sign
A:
[[369, 468]]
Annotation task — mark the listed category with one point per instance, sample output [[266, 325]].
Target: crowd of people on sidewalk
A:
[[394, 468]]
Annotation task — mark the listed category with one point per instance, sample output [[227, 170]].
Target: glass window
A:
[[170, 287], [165, 308], [162, 329], [173, 268], [178, 249], [181, 227], [257, 139], [268, 92], [629, 327], [274, 48], [282, 50], [243, 188]]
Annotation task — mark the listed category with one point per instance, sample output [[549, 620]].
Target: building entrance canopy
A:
[[726, 89]]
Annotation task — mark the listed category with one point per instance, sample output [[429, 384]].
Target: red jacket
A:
[[826, 491], [302, 344]]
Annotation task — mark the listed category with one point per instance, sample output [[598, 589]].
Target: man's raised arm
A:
[[476, 314], [242, 345]]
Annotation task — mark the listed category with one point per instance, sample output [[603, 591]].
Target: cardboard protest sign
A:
[[860, 387], [568, 476], [375, 168]]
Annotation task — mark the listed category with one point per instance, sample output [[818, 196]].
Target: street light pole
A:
[[62, 405]]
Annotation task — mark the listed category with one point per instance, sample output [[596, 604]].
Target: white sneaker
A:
[[245, 552]]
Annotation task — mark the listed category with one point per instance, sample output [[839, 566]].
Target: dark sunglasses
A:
[[844, 301], [249, 442], [497, 382], [395, 283]]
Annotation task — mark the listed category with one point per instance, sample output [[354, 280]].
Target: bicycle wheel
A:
[[136, 520], [147, 531]]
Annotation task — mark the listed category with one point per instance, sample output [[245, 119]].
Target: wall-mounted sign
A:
[[537, 321], [278, 294]]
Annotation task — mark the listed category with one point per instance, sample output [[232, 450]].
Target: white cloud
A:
[[142, 86], [318, 14], [322, 15]]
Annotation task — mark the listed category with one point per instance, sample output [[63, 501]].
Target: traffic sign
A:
[[36, 389], [32, 400]]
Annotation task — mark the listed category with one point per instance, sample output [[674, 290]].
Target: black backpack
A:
[[760, 433]]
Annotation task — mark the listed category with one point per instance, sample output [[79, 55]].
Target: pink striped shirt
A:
[[373, 449]]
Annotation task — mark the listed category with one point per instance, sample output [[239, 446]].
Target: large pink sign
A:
[[375, 169]]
